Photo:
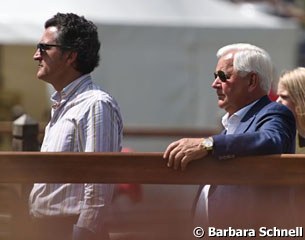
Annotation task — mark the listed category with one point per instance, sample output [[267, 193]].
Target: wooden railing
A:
[[29, 167], [150, 168], [6, 128], [139, 167]]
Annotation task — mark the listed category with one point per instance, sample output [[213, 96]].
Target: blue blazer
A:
[[267, 128]]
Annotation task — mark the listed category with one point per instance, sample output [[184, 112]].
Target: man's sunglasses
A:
[[44, 46], [222, 76]]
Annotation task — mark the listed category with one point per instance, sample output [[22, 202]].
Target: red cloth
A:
[[132, 190], [272, 95]]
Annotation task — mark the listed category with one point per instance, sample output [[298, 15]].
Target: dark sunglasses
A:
[[44, 46], [222, 76]]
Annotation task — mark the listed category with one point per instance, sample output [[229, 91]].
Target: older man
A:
[[253, 125]]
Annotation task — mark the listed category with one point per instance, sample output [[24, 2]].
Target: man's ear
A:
[[253, 81], [71, 57]]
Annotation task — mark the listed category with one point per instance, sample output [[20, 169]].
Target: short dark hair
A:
[[81, 36]]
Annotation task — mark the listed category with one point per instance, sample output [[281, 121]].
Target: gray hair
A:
[[250, 58]]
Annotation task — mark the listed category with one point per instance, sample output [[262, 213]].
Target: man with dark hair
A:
[[84, 118]]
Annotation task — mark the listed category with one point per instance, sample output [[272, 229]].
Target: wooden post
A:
[[25, 134]]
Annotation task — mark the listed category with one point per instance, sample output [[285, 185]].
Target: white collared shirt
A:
[[231, 123]]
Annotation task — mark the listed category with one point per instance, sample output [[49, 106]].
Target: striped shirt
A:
[[83, 119]]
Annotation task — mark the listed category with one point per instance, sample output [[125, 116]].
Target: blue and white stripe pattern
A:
[[84, 118]]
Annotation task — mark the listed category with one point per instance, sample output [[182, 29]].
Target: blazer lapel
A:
[[248, 119]]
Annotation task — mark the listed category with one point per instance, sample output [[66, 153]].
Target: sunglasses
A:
[[222, 76], [43, 47]]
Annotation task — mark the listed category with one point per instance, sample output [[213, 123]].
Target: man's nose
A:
[[216, 83], [37, 54]]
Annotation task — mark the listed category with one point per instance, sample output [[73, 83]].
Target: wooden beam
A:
[[6, 128], [168, 132], [149, 168]]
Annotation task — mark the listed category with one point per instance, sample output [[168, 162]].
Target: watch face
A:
[[208, 143]]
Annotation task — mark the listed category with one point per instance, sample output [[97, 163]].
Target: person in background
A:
[[291, 93], [253, 125], [84, 118]]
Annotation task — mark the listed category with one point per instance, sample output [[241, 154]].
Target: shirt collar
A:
[[237, 115], [58, 97]]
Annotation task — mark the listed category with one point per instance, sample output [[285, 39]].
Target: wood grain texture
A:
[[148, 168]]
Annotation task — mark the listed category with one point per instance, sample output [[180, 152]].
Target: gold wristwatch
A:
[[207, 143]]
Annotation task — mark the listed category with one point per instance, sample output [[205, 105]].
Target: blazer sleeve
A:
[[270, 131]]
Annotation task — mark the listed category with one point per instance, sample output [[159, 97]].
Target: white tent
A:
[[21, 21], [158, 56]]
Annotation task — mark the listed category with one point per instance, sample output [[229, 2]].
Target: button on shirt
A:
[[84, 118], [230, 124]]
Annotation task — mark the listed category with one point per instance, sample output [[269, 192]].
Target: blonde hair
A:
[[294, 82]]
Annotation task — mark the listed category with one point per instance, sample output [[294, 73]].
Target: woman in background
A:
[[291, 93]]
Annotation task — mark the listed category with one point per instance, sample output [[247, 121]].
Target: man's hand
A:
[[183, 151]]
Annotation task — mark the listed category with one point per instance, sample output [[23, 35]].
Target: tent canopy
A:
[[21, 22]]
